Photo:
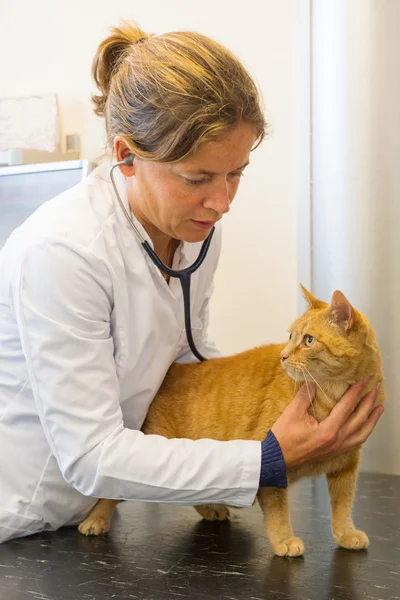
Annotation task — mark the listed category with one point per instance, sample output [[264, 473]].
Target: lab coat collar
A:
[[184, 251]]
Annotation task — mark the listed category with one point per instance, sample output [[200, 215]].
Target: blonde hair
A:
[[167, 94]]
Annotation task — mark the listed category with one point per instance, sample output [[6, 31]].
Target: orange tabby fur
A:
[[241, 397]]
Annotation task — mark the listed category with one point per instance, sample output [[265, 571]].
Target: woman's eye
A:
[[309, 340], [206, 179], [195, 181]]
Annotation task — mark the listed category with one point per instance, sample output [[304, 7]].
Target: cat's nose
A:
[[283, 356]]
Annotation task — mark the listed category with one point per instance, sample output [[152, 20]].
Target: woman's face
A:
[[184, 199]]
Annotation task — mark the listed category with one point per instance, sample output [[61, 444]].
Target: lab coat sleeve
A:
[[63, 299]]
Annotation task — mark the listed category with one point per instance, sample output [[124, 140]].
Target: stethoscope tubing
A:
[[184, 275]]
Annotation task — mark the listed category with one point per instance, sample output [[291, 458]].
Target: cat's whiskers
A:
[[316, 382], [296, 365], [294, 382], [309, 394]]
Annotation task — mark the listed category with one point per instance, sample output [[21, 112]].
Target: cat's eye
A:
[[290, 336], [309, 340]]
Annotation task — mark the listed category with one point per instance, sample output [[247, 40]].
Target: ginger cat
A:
[[333, 345]]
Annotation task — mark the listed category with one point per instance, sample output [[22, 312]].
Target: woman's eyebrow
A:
[[205, 172]]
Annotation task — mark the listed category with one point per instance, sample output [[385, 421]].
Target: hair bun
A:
[[108, 58]]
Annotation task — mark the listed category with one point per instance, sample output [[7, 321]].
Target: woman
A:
[[89, 326]]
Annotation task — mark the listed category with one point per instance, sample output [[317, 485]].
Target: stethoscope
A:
[[183, 275]]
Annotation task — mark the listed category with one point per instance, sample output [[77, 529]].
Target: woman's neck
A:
[[162, 243]]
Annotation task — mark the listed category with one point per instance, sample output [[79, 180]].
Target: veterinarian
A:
[[89, 325]]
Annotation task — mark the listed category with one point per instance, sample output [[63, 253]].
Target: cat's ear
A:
[[311, 300], [342, 311]]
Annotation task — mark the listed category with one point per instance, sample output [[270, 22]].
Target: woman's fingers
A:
[[303, 439], [342, 410], [364, 431], [301, 402], [360, 414]]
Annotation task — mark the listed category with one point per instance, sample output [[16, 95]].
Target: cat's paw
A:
[[290, 547], [353, 540], [94, 526], [213, 512]]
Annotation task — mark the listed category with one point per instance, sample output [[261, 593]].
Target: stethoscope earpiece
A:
[[129, 160]]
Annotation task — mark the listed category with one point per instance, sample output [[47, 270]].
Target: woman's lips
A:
[[203, 224]]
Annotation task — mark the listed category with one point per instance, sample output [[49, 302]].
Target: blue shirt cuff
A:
[[273, 467]]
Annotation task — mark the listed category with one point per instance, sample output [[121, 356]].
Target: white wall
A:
[[52, 46], [356, 182]]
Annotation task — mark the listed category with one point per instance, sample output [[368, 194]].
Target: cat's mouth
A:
[[295, 374]]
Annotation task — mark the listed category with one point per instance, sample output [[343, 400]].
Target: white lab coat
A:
[[88, 329]]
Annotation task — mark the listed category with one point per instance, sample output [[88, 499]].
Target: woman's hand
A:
[[303, 439]]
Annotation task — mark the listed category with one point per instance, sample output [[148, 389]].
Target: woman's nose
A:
[[219, 199]]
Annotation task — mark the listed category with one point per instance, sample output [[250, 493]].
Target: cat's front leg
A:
[[99, 519], [213, 512], [342, 487], [274, 504]]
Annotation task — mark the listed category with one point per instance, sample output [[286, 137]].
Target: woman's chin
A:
[[196, 236]]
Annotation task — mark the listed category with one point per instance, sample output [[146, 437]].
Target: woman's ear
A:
[[122, 151]]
